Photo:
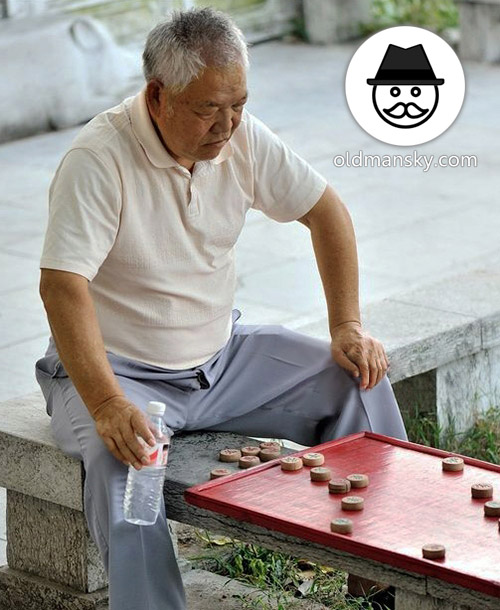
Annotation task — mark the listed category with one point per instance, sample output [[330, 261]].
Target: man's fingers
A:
[[383, 363], [126, 452], [376, 373], [382, 369], [113, 449], [134, 445], [365, 374], [362, 356], [347, 364], [141, 428]]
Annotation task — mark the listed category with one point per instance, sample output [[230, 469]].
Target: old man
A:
[[138, 283]]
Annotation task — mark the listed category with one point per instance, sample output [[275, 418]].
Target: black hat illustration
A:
[[405, 67]]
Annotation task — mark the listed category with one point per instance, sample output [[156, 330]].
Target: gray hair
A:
[[177, 50]]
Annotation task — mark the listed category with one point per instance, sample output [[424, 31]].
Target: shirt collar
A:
[[145, 133]]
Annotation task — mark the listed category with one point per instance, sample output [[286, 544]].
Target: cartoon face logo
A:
[[405, 92], [405, 106]]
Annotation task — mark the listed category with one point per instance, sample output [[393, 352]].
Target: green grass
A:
[[482, 441], [436, 15], [284, 579]]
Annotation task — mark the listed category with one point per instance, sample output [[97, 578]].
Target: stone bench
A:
[[52, 561], [54, 565], [444, 343], [480, 30]]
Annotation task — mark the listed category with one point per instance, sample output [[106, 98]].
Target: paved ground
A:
[[412, 227]]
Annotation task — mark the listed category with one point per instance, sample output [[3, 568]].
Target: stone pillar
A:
[[52, 542], [53, 564], [466, 388], [331, 21]]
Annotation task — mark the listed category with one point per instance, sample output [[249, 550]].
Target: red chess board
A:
[[409, 502]]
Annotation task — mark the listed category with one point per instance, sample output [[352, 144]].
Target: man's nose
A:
[[224, 122]]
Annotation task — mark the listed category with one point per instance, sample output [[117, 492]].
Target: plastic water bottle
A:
[[144, 490]]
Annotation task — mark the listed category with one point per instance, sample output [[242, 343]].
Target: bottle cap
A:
[[156, 408]]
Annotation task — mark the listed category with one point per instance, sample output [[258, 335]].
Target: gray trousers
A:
[[266, 381]]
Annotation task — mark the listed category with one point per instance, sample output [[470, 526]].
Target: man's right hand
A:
[[119, 423]]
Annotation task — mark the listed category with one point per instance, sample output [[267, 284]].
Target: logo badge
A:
[[405, 86]]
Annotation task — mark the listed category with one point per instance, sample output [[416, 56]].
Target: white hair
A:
[[177, 50]]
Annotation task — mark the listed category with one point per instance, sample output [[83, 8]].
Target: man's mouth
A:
[[399, 110], [217, 142]]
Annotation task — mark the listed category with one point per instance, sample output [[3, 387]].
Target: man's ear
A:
[[154, 97]]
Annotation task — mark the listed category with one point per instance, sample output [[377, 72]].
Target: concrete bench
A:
[[480, 30], [52, 561], [444, 343], [53, 564]]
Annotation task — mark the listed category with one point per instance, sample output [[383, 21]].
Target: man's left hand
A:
[[359, 354]]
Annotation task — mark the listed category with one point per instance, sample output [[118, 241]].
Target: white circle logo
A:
[[405, 86]]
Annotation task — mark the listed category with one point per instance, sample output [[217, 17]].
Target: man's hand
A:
[[119, 423], [358, 353]]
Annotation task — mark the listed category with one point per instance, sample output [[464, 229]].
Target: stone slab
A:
[[458, 595], [21, 591], [217, 523], [204, 591], [31, 462], [475, 294], [52, 542], [490, 330], [17, 272], [207, 591], [200, 450], [405, 600], [417, 339]]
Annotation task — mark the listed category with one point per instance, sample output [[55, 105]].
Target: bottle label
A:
[[158, 455]]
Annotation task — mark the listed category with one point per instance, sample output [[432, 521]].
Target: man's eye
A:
[[205, 115]]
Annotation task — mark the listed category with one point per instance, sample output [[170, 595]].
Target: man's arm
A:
[[75, 329], [334, 245]]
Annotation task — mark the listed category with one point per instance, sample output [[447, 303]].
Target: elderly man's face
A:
[[197, 123]]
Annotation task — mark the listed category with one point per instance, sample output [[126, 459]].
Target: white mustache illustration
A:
[[400, 109]]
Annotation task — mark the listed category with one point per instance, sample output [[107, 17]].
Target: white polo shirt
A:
[[157, 243]]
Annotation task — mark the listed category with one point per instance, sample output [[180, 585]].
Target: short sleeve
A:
[[84, 214], [285, 186]]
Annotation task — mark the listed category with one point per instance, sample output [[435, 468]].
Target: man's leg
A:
[[140, 560], [283, 384], [274, 382]]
